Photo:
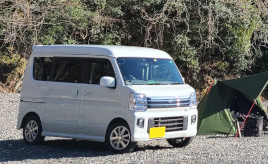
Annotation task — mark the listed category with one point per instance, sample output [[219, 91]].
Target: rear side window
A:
[[99, 68], [68, 70], [41, 68], [71, 70]]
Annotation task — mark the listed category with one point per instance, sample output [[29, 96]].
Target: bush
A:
[[208, 39]]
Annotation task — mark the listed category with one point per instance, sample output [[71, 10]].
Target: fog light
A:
[[140, 122], [193, 119]]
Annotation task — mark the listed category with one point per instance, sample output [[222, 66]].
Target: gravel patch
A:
[[204, 149]]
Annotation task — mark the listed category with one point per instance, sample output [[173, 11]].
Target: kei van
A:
[[114, 94]]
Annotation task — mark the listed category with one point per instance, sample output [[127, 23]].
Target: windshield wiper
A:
[[156, 83], [175, 83]]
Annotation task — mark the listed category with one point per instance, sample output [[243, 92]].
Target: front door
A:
[[63, 96], [98, 103]]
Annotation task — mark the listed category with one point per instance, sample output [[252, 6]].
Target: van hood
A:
[[183, 90]]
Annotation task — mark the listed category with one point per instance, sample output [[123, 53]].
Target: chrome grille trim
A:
[[167, 102], [171, 123]]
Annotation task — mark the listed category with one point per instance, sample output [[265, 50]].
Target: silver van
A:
[[114, 94]]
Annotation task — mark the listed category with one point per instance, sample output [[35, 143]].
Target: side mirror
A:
[[107, 81]]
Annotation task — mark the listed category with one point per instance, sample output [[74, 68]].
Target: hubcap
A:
[[120, 138], [31, 131]]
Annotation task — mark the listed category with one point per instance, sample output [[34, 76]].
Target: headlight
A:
[[137, 102], [192, 101]]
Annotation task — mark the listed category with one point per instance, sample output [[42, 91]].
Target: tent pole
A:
[[238, 128], [210, 86], [246, 118], [208, 90]]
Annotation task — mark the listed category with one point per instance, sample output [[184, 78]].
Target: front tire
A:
[[32, 130], [118, 138], [180, 142]]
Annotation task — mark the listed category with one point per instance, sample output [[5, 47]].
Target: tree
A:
[[207, 38]]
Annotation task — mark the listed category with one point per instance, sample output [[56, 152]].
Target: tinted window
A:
[[41, 68], [99, 68], [68, 70]]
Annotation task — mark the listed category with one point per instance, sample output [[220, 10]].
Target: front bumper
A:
[[142, 134]]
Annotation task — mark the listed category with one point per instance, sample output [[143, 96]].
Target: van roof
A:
[[101, 50]]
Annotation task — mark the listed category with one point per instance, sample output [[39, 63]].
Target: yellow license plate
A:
[[157, 132]]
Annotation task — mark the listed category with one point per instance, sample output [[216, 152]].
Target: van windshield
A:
[[149, 71]]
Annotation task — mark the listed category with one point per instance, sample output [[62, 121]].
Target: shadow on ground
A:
[[17, 150], [225, 136]]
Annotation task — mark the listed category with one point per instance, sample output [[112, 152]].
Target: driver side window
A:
[[99, 68]]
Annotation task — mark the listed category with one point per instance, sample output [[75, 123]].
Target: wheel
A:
[[180, 142], [32, 130], [118, 138]]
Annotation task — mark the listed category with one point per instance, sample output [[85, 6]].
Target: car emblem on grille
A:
[[170, 100]]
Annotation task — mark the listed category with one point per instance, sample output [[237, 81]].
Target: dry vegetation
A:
[[208, 38]]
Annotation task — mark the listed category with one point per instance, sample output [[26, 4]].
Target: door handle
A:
[[87, 92], [75, 93]]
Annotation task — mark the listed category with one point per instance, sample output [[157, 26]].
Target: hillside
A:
[[208, 39]]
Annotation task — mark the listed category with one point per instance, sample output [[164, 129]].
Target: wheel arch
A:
[[28, 115], [116, 120]]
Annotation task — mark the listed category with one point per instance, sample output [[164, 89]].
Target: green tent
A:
[[237, 95]]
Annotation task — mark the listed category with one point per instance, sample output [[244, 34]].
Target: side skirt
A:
[[75, 136]]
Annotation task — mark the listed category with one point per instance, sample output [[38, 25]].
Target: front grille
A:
[[171, 123], [167, 102]]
